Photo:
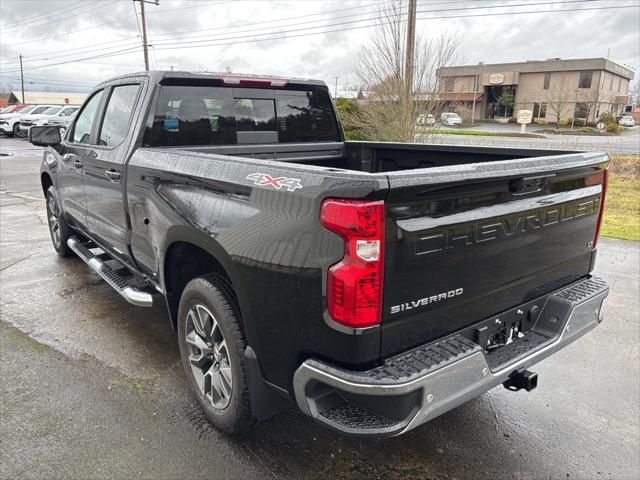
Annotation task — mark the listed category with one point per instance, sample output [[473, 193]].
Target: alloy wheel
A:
[[54, 221], [209, 356]]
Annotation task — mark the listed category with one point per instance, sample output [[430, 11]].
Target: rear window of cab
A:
[[203, 115]]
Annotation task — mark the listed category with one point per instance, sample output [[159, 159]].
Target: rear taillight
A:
[[604, 179], [354, 284]]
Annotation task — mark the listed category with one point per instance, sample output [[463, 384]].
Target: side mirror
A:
[[44, 135]]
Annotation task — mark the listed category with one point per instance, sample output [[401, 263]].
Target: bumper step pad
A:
[[116, 280], [420, 361]]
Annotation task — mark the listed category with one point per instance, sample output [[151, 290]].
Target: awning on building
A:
[[459, 97]]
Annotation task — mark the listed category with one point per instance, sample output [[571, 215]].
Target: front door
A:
[[104, 172], [77, 148]]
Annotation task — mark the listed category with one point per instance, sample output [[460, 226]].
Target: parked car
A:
[[35, 113], [450, 119], [426, 119], [11, 108], [374, 285], [10, 122], [627, 121], [61, 122], [43, 118]]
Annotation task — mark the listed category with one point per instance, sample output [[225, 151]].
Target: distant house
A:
[[53, 98]]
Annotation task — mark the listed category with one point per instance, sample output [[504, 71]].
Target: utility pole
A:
[[335, 91], [411, 41], [145, 46], [22, 78], [475, 89], [409, 106]]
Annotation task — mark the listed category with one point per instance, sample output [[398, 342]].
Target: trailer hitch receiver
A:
[[524, 379]]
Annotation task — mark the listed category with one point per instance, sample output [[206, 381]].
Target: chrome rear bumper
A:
[[417, 386]]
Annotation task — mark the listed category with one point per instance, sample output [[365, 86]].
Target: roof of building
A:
[[54, 98], [535, 66]]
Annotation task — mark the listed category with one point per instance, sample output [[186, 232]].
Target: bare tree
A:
[[634, 91], [559, 100], [392, 102]]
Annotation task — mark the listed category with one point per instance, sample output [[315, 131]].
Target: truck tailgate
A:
[[468, 242]]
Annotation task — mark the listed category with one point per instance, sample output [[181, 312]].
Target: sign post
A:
[[524, 117]]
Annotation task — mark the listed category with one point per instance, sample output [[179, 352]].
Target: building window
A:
[[547, 80], [449, 84], [582, 109], [610, 82], [585, 79], [539, 110], [619, 84]]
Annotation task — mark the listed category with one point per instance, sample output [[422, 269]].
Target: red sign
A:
[[66, 100]]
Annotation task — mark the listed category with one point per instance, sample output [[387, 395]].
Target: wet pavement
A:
[[626, 143], [93, 388]]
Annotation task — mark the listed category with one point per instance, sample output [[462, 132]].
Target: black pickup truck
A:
[[375, 285]]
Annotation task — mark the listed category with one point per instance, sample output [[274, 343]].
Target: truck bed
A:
[[375, 157]]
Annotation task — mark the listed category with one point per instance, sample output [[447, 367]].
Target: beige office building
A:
[[579, 88]]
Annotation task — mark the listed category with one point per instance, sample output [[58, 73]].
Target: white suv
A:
[[10, 123], [52, 113]]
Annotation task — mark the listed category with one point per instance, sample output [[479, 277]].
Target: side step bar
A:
[[119, 283]]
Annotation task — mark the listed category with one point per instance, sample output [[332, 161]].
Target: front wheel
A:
[[212, 348], [58, 228]]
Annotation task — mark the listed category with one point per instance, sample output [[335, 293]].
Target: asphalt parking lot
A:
[[628, 142], [92, 387]]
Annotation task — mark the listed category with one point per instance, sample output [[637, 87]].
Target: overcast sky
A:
[[69, 45]]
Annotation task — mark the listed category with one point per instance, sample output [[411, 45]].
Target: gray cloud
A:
[[490, 39]]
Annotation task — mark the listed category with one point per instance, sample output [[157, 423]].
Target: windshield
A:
[[52, 111], [28, 109], [39, 109], [68, 111]]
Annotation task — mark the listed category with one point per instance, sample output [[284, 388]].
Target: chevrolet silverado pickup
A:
[[374, 285]]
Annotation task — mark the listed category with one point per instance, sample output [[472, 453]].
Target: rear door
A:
[[465, 244], [103, 180]]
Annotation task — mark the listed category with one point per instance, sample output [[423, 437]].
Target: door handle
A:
[[77, 164], [112, 175]]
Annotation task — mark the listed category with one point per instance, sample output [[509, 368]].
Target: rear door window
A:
[[117, 116]]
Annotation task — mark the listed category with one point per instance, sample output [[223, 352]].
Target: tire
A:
[[58, 228], [14, 131], [212, 348]]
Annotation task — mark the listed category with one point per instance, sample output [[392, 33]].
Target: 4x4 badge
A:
[[264, 180]]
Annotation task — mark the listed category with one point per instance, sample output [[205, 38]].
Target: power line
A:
[[64, 35], [216, 38], [64, 16], [78, 60], [285, 36], [85, 49], [34, 17], [287, 33]]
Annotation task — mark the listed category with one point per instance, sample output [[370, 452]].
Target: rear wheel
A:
[[58, 228], [212, 349]]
